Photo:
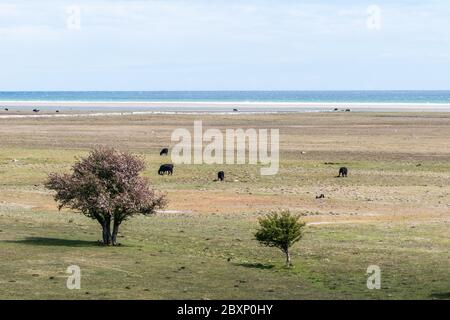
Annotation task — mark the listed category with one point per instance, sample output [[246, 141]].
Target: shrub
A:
[[280, 230]]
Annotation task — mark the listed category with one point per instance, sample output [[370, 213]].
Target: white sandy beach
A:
[[202, 105]]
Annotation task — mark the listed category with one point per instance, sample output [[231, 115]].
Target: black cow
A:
[[221, 175], [164, 151], [165, 168], [6, 109], [36, 110], [322, 196], [343, 172]]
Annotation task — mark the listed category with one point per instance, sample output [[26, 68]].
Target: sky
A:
[[224, 45]]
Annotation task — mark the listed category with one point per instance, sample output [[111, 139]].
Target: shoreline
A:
[[216, 113], [201, 105], [126, 113]]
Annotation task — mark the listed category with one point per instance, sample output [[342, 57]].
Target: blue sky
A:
[[224, 45]]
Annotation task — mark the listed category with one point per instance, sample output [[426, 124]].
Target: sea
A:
[[211, 100]]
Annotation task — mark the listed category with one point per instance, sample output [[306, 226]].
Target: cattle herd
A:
[[168, 168], [35, 110]]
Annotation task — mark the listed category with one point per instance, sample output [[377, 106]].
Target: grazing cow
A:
[[221, 175], [321, 196], [235, 110], [164, 151], [165, 168], [343, 172], [347, 110]]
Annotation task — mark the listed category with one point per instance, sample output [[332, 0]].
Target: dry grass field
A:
[[393, 210]]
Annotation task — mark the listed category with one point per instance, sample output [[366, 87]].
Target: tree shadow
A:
[[42, 241], [440, 295], [255, 265]]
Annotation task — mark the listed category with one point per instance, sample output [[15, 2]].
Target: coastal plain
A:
[[393, 210]]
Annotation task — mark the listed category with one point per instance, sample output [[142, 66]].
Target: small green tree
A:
[[280, 230]]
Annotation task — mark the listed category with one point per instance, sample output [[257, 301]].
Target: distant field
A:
[[393, 211]]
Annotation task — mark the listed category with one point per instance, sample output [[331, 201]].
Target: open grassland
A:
[[393, 211]]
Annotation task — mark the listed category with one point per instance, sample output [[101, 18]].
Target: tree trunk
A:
[[106, 227], [114, 233], [288, 258], [104, 234], [108, 231]]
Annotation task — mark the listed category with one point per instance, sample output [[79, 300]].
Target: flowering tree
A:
[[106, 186]]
